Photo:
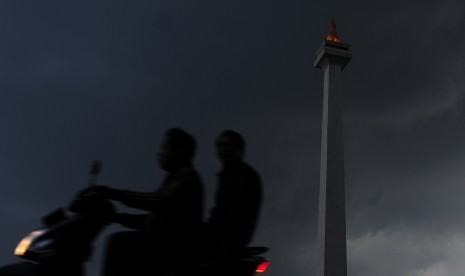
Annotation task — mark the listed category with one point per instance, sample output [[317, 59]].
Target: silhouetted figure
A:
[[234, 217], [169, 230]]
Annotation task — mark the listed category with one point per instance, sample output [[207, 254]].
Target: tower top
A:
[[333, 49], [332, 35]]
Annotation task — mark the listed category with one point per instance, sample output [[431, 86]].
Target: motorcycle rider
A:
[[233, 219], [173, 219]]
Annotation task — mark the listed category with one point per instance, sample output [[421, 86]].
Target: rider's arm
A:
[[136, 222], [162, 198]]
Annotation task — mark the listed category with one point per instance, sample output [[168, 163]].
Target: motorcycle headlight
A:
[[24, 244]]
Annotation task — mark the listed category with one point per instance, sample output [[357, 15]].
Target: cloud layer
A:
[[80, 82]]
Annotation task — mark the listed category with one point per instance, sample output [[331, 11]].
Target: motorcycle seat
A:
[[254, 250]]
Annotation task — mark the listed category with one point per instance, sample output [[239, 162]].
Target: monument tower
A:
[[332, 57]]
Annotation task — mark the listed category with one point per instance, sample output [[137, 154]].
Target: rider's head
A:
[[176, 150], [230, 147]]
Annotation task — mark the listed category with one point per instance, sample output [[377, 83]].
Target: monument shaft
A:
[[332, 253]]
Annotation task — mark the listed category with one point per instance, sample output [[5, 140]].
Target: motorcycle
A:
[[65, 243]]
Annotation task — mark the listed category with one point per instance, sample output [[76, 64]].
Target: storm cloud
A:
[[80, 81]]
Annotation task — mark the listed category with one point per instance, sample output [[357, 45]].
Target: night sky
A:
[[103, 80]]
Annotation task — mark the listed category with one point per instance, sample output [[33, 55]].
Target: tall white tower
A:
[[332, 57]]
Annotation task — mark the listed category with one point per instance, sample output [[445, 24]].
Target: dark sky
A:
[[83, 80]]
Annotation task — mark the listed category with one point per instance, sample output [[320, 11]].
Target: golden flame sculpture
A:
[[332, 35]]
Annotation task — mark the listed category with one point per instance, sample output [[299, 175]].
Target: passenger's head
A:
[[230, 147], [176, 150]]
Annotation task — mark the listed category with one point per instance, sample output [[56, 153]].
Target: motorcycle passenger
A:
[[169, 229], [233, 219]]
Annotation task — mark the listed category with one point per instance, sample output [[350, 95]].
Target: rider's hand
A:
[[99, 190], [107, 192], [102, 191]]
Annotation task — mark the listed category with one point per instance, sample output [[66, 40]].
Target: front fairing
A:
[[69, 239], [21, 269]]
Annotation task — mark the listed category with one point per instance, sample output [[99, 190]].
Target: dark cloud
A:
[[104, 80]]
